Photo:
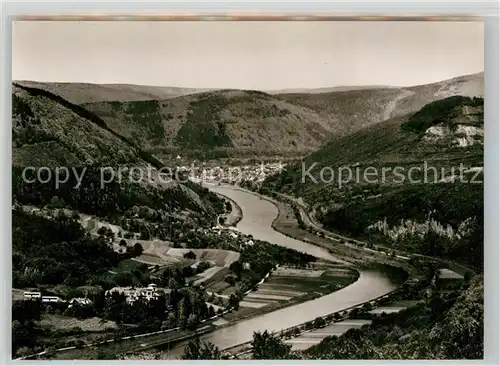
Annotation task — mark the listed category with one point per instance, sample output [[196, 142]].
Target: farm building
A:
[[79, 301]]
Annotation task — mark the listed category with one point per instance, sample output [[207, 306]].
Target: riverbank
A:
[[235, 216], [286, 224], [259, 215], [311, 221], [346, 245]]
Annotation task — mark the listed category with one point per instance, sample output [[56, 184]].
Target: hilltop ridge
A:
[[241, 123]]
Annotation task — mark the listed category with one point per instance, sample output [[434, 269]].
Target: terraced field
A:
[[293, 285], [313, 337]]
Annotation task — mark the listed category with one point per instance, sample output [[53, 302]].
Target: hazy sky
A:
[[247, 55]]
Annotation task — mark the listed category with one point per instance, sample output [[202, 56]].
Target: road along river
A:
[[258, 216]]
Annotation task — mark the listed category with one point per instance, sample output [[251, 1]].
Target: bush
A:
[[137, 251], [202, 267], [189, 255]]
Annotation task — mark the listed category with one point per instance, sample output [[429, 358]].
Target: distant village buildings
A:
[[132, 294]]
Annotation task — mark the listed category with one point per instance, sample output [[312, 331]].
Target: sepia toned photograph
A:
[[247, 190]]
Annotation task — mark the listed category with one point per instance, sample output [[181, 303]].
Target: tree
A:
[[265, 346], [138, 249], [57, 202], [202, 267], [189, 255], [192, 321], [234, 302], [230, 279], [196, 350], [181, 317], [102, 230], [171, 321], [109, 233], [104, 353], [210, 311], [319, 322]]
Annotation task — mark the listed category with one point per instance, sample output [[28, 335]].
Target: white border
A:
[[489, 9]]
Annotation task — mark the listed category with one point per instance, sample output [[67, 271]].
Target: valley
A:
[[235, 250]]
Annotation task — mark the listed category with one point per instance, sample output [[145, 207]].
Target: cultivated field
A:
[[287, 286], [221, 258]]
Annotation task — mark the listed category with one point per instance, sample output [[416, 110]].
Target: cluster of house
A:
[[135, 293], [233, 231], [37, 295], [131, 293], [233, 174]]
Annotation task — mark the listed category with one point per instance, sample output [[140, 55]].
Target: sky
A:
[[246, 55]]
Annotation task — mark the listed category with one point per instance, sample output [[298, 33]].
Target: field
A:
[[221, 258], [64, 322], [288, 286]]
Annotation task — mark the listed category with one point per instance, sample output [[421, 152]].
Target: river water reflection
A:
[[258, 215]]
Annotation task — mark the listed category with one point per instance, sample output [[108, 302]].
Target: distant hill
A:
[[329, 89], [238, 122], [224, 123], [226, 120], [352, 110], [48, 131], [446, 130], [87, 93], [413, 182]]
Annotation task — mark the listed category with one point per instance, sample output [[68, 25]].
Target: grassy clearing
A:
[[87, 325], [222, 258]]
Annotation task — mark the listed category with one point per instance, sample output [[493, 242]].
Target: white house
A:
[[134, 293], [79, 301], [51, 299], [35, 295], [28, 295]]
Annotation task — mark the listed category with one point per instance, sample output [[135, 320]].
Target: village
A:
[[232, 174]]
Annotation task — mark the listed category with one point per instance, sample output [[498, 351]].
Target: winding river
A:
[[258, 215]]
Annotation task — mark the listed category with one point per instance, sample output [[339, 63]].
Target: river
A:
[[258, 215]]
